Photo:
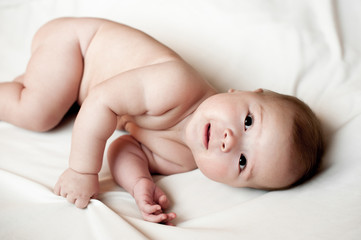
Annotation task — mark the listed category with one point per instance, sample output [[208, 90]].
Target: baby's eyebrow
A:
[[261, 114], [259, 117]]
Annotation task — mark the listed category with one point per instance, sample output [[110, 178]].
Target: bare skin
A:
[[124, 79]]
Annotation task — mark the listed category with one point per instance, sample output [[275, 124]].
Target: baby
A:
[[124, 79]]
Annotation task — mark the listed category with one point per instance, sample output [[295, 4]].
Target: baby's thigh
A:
[[55, 69], [55, 33]]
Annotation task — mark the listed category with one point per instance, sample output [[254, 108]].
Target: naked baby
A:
[[124, 79]]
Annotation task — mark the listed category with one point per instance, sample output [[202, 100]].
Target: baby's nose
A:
[[228, 140]]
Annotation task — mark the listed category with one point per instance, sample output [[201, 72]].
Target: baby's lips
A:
[[206, 135]]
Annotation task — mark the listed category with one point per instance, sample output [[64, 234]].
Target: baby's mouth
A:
[[207, 135]]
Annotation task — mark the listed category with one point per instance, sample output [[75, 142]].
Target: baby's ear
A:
[[259, 90]]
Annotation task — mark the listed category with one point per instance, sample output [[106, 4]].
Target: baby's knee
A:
[[41, 122], [41, 126]]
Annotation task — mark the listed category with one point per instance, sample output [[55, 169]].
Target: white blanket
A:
[[307, 48]]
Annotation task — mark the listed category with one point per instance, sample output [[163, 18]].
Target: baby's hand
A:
[[77, 188], [152, 202]]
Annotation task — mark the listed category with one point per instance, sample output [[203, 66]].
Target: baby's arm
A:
[[129, 167], [93, 126], [135, 93]]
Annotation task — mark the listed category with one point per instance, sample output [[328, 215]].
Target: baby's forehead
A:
[[274, 152], [283, 111], [282, 175], [286, 102]]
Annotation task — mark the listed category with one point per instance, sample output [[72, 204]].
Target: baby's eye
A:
[[242, 162], [248, 121]]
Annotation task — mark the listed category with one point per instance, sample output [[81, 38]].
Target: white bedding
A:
[[310, 49]]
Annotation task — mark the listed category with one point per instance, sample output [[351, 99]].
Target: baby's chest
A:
[[165, 153], [169, 159]]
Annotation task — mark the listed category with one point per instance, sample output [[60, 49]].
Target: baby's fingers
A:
[[163, 202], [79, 202], [82, 202], [57, 189], [70, 199], [150, 208], [156, 218], [170, 217], [165, 218]]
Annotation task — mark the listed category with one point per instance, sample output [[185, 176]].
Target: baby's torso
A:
[[116, 48]]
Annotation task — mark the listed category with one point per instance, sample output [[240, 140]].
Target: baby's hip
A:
[[68, 30]]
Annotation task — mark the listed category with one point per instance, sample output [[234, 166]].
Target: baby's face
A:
[[243, 139]]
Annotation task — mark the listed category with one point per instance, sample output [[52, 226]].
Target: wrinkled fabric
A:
[[309, 49]]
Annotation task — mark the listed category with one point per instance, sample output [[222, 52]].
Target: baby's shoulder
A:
[[184, 83]]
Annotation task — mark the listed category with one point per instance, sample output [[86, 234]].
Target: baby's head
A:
[[258, 139], [305, 143]]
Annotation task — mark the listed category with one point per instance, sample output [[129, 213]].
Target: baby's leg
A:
[[38, 99]]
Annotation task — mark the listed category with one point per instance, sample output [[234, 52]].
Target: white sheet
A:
[[308, 48]]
